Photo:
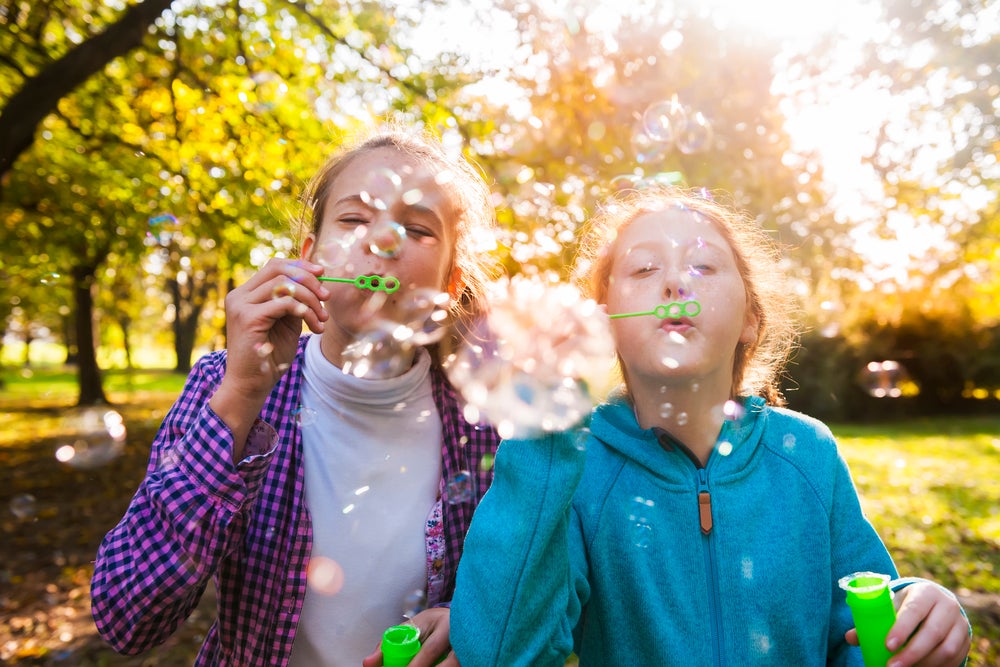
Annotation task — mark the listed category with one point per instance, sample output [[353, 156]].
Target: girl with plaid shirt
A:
[[318, 485]]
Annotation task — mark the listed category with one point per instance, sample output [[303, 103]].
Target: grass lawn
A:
[[931, 487]]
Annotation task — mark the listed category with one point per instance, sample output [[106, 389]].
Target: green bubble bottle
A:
[[870, 600], [399, 644]]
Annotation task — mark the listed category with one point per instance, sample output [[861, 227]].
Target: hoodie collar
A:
[[614, 423]]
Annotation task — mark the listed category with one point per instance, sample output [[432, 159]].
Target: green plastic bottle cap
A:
[[399, 644]]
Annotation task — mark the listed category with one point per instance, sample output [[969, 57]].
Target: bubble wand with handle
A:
[[870, 600], [673, 310], [387, 284]]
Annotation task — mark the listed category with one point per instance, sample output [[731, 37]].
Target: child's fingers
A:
[[913, 604], [282, 290], [931, 625], [374, 659], [922, 651], [280, 278]]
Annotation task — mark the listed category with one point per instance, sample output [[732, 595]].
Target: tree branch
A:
[[38, 97]]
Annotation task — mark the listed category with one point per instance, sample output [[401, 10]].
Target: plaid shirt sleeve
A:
[[466, 450], [189, 513]]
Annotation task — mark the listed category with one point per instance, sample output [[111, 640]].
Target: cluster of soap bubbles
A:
[[532, 364], [385, 347], [669, 124]]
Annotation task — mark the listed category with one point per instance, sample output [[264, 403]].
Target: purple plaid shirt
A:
[[198, 516]]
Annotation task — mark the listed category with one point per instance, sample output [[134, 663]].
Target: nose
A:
[[677, 285]]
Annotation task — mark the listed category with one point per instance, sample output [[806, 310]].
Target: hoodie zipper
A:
[[705, 521]]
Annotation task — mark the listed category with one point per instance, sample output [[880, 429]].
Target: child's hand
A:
[[435, 643], [929, 626], [264, 319]]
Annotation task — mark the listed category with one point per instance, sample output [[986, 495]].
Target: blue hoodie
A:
[[616, 544]]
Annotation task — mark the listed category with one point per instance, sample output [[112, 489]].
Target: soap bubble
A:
[[304, 416], [386, 238], [661, 120], [640, 526], [733, 410], [335, 250], [376, 353], [694, 134], [646, 148], [161, 230], [884, 379], [325, 575], [97, 437], [414, 603], [423, 316], [461, 488], [23, 506], [382, 189], [625, 182], [262, 47], [532, 363], [283, 289], [268, 90]]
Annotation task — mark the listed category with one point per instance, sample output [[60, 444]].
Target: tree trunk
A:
[[28, 337], [188, 304], [88, 373], [40, 94], [126, 326], [69, 338]]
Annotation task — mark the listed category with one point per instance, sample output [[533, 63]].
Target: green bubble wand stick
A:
[[387, 284], [673, 310]]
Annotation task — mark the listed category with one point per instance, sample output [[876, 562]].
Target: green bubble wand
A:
[[673, 310], [387, 284]]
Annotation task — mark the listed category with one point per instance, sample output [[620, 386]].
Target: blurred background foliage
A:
[[152, 155]]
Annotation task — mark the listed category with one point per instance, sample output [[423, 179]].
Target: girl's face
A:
[[675, 255], [385, 215]]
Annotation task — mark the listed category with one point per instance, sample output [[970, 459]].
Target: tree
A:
[[216, 119], [52, 79]]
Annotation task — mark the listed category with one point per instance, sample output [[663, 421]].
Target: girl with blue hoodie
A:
[[695, 521]]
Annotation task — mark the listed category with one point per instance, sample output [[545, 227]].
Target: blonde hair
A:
[[475, 217], [758, 366]]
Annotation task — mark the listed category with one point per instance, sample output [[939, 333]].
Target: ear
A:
[[307, 246], [751, 324]]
